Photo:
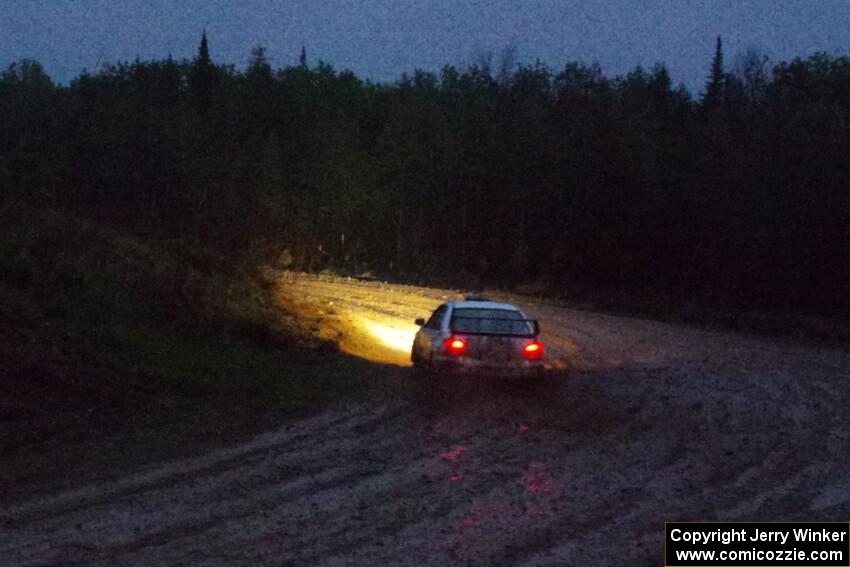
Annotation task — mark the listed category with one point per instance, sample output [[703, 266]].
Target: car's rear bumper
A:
[[465, 365]]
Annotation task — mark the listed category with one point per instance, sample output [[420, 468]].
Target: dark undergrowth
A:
[[812, 328], [101, 328]]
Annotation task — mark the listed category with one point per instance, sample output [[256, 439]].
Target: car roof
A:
[[483, 305]]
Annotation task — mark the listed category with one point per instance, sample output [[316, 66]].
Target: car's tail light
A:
[[455, 346], [533, 350]]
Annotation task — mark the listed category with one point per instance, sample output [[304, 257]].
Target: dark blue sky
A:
[[379, 39]]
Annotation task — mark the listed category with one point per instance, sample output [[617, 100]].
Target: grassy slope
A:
[[97, 323]]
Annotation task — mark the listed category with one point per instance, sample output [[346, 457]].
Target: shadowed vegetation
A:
[[101, 328]]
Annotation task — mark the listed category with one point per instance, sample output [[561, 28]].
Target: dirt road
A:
[[639, 422]]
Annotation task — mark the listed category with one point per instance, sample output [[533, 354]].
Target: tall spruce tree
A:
[[202, 78], [714, 87]]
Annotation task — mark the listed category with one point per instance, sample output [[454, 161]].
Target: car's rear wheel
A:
[[420, 367]]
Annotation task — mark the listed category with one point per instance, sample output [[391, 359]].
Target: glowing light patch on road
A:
[[396, 337], [452, 454]]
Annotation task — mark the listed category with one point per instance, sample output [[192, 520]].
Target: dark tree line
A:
[[564, 178]]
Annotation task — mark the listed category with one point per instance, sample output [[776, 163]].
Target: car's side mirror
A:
[[420, 322]]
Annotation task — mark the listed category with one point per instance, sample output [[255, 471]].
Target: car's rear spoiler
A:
[[472, 330]]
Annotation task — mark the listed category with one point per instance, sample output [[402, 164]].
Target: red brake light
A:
[[455, 346], [533, 350]]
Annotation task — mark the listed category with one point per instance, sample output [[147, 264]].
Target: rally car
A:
[[478, 336]]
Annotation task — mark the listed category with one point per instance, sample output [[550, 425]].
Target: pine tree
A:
[[202, 78], [302, 59], [204, 51], [714, 88]]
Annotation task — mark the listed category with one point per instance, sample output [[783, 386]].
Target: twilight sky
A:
[[379, 39]]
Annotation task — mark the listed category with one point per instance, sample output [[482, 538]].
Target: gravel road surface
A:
[[637, 423]]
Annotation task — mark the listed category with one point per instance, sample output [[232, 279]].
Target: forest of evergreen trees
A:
[[507, 174]]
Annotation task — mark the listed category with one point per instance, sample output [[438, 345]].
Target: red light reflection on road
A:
[[538, 481], [536, 485], [452, 455]]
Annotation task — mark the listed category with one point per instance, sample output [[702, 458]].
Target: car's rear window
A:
[[496, 321]]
